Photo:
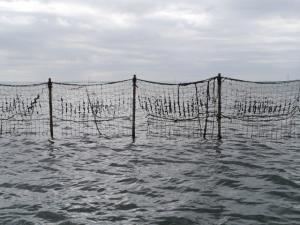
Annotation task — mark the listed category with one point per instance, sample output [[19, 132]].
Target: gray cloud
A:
[[158, 40]]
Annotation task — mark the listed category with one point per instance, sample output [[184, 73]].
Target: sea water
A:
[[161, 181]]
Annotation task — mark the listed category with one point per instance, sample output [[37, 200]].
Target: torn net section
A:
[[260, 109], [92, 109], [24, 109], [186, 109]]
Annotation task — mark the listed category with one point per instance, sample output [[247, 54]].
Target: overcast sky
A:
[[165, 40]]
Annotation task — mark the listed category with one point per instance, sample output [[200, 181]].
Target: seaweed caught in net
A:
[[92, 109], [186, 109], [260, 109], [24, 109]]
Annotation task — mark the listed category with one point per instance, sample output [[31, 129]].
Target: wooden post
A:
[[207, 111], [50, 107], [133, 106], [219, 115]]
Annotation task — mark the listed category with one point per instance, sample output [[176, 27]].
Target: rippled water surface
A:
[[154, 181]]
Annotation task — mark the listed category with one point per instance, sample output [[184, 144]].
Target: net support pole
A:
[[207, 111], [219, 115], [133, 106], [50, 107]]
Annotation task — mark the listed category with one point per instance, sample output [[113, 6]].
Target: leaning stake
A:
[[50, 107], [133, 106], [219, 116]]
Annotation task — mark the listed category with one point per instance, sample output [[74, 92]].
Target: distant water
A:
[[154, 181]]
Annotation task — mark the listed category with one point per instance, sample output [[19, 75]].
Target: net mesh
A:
[[186, 109], [24, 110], [92, 109], [248, 109], [266, 109]]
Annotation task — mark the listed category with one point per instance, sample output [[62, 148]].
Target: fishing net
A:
[[260, 109], [92, 109], [248, 109], [186, 109], [24, 110]]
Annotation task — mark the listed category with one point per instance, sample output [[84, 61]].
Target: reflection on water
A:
[[154, 181]]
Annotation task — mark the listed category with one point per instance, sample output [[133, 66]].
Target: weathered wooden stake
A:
[[133, 106], [207, 111], [50, 107], [219, 116]]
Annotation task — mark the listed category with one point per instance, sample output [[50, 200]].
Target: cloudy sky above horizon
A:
[[167, 40]]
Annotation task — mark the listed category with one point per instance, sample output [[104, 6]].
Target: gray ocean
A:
[[152, 181]]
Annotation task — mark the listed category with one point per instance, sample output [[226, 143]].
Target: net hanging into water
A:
[[186, 109], [92, 109], [260, 109], [249, 109], [24, 110], [205, 109]]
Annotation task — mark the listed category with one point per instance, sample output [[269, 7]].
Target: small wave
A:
[[280, 180], [173, 220], [126, 206], [51, 216], [20, 222]]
